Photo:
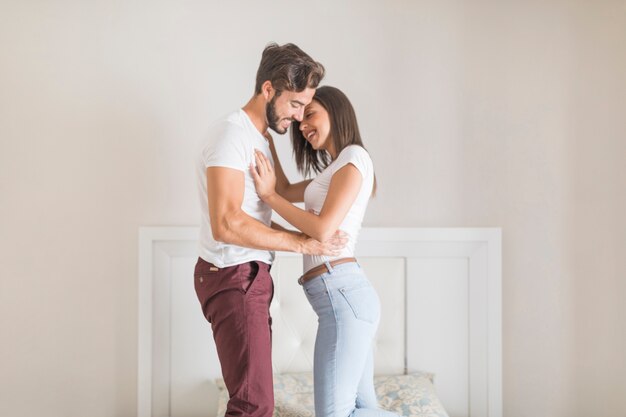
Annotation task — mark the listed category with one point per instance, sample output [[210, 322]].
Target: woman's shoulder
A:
[[353, 150], [357, 156]]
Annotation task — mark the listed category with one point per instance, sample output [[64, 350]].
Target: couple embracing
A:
[[240, 182]]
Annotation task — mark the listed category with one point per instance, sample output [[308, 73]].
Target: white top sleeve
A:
[[355, 155], [226, 149]]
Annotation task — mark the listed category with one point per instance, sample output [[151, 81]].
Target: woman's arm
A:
[[342, 192], [291, 192], [230, 224]]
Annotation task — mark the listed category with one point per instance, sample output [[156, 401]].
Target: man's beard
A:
[[272, 117]]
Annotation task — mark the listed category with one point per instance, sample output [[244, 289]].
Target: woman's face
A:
[[315, 126]]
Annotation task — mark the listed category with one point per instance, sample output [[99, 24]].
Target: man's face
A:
[[288, 106]]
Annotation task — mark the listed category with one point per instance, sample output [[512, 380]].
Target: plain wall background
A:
[[499, 113]]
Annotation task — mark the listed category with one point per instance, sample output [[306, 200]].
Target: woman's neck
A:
[[331, 150]]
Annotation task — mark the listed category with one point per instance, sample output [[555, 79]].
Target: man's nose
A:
[[299, 115]]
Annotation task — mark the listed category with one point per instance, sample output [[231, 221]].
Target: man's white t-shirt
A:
[[316, 191], [230, 143]]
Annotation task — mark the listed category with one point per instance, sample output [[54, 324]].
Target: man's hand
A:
[[330, 247]]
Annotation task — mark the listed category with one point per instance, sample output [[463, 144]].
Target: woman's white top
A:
[[315, 195]]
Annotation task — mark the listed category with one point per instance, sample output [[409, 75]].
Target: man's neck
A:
[[255, 109]]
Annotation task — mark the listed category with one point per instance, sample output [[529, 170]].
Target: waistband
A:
[[321, 269]]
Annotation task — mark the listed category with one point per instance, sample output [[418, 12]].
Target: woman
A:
[[327, 141]]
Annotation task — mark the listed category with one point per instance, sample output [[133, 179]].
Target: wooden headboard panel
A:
[[440, 291]]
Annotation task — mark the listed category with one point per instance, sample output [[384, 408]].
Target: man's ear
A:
[[267, 90]]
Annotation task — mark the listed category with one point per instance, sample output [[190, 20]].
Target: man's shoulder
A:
[[228, 129], [230, 122]]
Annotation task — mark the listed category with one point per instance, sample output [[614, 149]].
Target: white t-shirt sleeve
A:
[[226, 148], [356, 156]]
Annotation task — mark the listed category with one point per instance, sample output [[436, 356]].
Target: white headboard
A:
[[440, 292]]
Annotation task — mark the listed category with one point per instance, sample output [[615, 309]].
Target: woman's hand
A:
[[264, 176]]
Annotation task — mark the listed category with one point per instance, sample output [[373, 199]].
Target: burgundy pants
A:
[[236, 301]]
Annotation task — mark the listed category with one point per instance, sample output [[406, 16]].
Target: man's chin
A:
[[279, 130]]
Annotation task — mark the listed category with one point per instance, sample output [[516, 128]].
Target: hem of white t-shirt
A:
[[225, 166], [239, 262], [327, 259], [360, 169]]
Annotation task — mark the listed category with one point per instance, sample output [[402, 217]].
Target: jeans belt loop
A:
[[321, 269]]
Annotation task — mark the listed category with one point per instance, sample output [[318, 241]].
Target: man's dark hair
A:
[[288, 68]]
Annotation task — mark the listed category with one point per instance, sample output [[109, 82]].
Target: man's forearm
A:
[[242, 230], [277, 226]]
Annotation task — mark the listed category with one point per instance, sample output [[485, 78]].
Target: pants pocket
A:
[[363, 302], [248, 274], [256, 280]]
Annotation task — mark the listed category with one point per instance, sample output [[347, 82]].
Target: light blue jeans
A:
[[348, 311]]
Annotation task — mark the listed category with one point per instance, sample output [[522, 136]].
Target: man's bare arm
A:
[[277, 226]]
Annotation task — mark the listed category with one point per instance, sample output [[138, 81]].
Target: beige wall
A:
[[503, 114]]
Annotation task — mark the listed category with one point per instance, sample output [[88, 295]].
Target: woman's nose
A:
[[303, 126]]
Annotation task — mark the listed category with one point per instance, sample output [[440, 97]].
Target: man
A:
[[232, 278]]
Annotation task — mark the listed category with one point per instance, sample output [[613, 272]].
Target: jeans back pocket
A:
[[363, 302]]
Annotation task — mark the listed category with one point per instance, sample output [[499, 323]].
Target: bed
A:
[[438, 348]]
